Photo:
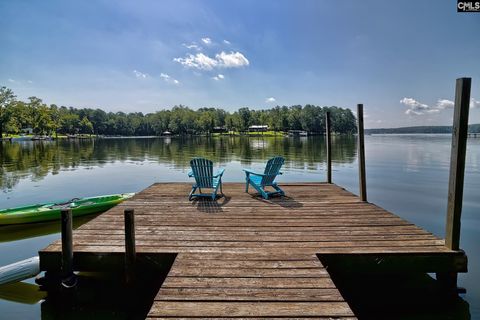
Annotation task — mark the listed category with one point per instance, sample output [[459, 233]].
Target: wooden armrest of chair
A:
[[219, 173], [247, 171]]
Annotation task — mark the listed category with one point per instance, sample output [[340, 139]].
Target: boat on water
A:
[[41, 138], [51, 211]]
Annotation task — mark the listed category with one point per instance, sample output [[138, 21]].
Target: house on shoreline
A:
[[258, 128]]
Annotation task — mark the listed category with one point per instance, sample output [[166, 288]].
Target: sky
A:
[[399, 58]]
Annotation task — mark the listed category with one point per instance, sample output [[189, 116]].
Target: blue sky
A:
[[400, 59]]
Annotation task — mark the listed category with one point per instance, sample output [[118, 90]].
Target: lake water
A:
[[406, 174]]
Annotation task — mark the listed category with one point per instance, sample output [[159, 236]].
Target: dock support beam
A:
[[69, 279], [130, 252], [457, 172], [457, 162], [361, 154], [328, 135]]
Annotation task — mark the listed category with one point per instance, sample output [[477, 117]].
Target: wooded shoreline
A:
[[36, 117]]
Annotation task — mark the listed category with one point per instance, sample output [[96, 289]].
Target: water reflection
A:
[[36, 159], [407, 175], [22, 292], [32, 230]]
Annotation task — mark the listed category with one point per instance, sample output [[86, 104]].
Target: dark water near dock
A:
[[406, 174]]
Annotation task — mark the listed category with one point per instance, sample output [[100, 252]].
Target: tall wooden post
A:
[[457, 162], [130, 252], [361, 154], [328, 135], [68, 277]]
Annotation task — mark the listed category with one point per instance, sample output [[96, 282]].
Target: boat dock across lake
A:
[[243, 256]]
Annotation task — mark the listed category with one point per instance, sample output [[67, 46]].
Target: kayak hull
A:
[[51, 211]]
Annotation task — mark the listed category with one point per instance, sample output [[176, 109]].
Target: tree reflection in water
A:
[[36, 159]]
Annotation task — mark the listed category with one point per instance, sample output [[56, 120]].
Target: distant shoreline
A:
[[268, 134], [472, 128]]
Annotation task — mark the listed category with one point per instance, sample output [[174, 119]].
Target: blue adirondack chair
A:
[[202, 171], [266, 179]]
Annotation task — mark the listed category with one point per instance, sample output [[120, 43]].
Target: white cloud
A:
[[12, 81], [270, 100], [29, 81], [415, 107], [226, 42], [222, 60], [414, 104], [218, 77], [232, 59], [198, 61], [444, 104], [207, 40], [140, 75], [193, 46], [169, 79]]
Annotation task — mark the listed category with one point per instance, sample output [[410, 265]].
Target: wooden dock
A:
[[245, 257]]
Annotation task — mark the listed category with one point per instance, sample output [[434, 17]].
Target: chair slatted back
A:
[[203, 172], [271, 170]]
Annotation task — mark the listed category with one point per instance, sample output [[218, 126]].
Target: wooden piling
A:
[[457, 162], [130, 252], [68, 277], [329, 146], [361, 154]]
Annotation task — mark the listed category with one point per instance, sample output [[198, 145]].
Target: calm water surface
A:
[[406, 174]]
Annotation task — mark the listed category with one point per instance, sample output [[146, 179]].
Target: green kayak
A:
[[51, 211]]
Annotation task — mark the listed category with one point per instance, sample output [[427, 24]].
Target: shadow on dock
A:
[[206, 205], [396, 296], [282, 201], [104, 295]]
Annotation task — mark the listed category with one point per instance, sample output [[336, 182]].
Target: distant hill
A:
[[473, 128]]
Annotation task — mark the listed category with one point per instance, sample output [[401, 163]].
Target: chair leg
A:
[[278, 189], [246, 186], [261, 191], [265, 195], [190, 196]]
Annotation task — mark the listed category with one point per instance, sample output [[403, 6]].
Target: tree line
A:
[[44, 119]]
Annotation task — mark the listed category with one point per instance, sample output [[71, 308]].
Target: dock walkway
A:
[[242, 256]]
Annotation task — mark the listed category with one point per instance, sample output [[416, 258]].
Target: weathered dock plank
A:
[[242, 256], [229, 291]]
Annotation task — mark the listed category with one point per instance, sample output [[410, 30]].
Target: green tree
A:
[[86, 126], [6, 99], [244, 117], [56, 119], [294, 118], [69, 123], [230, 122], [41, 116], [18, 117], [206, 121]]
